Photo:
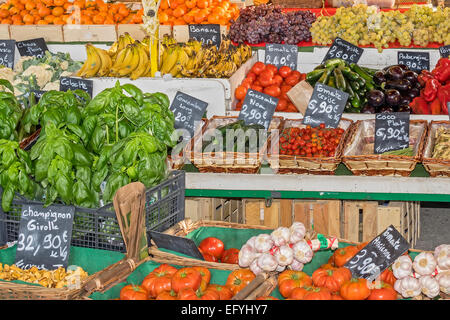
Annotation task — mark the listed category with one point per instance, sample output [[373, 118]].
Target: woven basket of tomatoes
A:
[[219, 252], [302, 149], [359, 156], [214, 152]]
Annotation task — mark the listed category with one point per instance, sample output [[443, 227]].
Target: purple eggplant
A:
[[405, 99], [414, 92], [411, 76], [379, 77], [402, 85], [394, 73], [404, 108], [375, 98], [368, 109], [392, 97], [385, 109]]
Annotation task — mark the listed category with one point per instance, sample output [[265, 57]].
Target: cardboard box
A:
[[89, 33], [135, 30], [4, 32], [51, 33]]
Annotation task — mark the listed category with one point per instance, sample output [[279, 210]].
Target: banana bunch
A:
[[196, 60], [125, 58]]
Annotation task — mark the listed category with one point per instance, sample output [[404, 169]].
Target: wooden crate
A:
[[135, 30], [89, 33], [322, 216], [363, 220], [50, 33], [4, 32], [217, 209], [276, 214]]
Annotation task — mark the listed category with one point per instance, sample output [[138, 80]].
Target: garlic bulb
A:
[[408, 287], [280, 236], [444, 281], [424, 263], [251, 241], [430, 286], [297, 232], [402, 267], [280, 268], [255, 268], [442, 256], [263, 243], [302, 251], [267, 262], [296, 265], [284, 256], [246, 255]]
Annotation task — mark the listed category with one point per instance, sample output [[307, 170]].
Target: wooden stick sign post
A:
[[378, 255], [44, 236]]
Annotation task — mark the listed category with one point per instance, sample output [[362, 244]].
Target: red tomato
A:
[[277, 80], [282, 105], [212, 246], [291, 80], [383, 291], [256, 83], [257, 88], [266, 78], [186, 278], [291, 107], [246, 83], [258, 67], [296, 74], [285, 71], [285, 88], [272, 68], [230, 256], [207, 256], [133, 292], [239, 105], [240, 92], [251, 75], [273, 91]]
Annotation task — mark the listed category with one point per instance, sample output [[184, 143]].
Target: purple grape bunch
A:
[[267, 23]]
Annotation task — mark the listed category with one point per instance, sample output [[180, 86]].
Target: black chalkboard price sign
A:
[[281, 55], [7, 52], [414, 60], [444, 51], [206, 33], [188, 111], [391, 131], [33, 47], [344, 50], [68, 83], [378, 254], [44, 236], [179, 244], [258, 108], [325, 106]]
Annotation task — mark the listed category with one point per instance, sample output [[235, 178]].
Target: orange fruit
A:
[[57, 11], [179, 22], [118, 17], [58, 21], [30, 5], [4, 13], [59, 3], [98, 19], [109, 20], [44, 11], [163, 17], [124, 11], [202, 4], [213, 18], [42, 22], [6, 21], [49, 18], [28, 18], [164, 5], [173, 5], [191, 3], [178, 12], [188, 18]]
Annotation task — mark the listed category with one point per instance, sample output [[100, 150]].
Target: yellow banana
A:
[[106, 62], [85, 64], [143, 62], [170, 61], [124, 60], [94, 62], [130, 64]]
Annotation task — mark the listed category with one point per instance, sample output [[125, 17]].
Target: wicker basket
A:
[[364, 162], [179, 162], [304, 165], [435, 167], [299, 3], [229, 162], [20, 291]]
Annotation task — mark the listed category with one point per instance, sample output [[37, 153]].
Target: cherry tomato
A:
[[240, 92], [285, 71], [258, 67], [273, 91]]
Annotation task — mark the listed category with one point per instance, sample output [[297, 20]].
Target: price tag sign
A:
[[281, 55], [444, 51], [68, 83], [188, 111], [34, 47], [325, 106], [344, 50], [44, 236], [258, 108], [206, 33], [38, 94], [414, 60], [378, 255], [391, 131], [7, 52], [179, 244]]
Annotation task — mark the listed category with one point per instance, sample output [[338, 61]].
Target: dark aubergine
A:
[[404, 100], [368, 109], [379, 77], [404, 67], [414, 92], [392, 97], [375, 98], [385, 109], [411, 76], [404, 108], [401, 85], [394, 73]]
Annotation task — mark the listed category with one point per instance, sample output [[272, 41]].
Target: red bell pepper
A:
[[443, 62], [431, 89], [444, 97], [424, 76], [435, 106], [420, 106]]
